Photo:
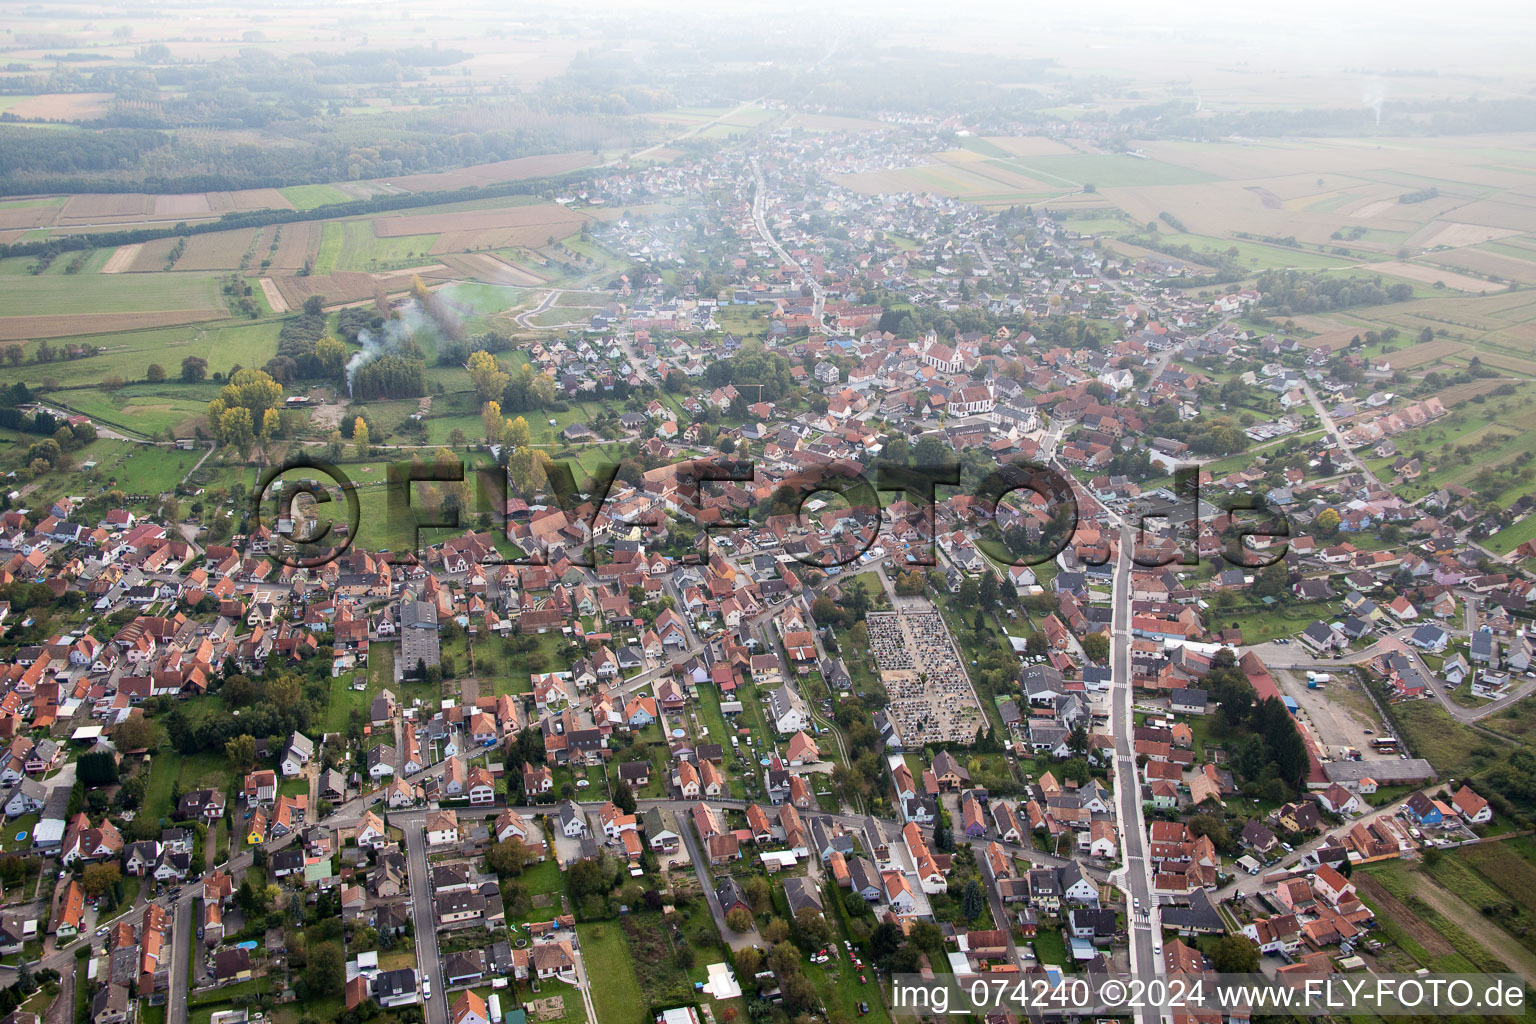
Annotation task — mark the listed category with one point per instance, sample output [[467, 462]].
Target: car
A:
[[862, 981], [1287, 847], [1157, 949], [1136, 902], [1370, 732], [103, 930], [863, 1009], [426, 989], [848, 945]]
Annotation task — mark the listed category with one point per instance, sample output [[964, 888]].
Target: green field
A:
[[128, 353], [1103, 170], [150, 469], [1512, 536], [147, 408], [307, 197], [63, 294], [352, 245], [616, 997]]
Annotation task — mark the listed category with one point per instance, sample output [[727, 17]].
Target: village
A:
[[725, 738]]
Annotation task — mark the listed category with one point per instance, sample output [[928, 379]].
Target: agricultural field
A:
[[128, 352], [307, 197], [355, 245], [31, 297]]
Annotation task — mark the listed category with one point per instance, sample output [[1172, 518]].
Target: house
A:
[[442, 828], [111, 1005], [788, 710], [550, 960], [731, 895], [1424, 810], [801, 893], [1187, 701], [573, 820], [298, 753], [260, 787], [371, 833], [658, 835], [70, 912], [1473, 809], [468, 1008], [1339, 800]]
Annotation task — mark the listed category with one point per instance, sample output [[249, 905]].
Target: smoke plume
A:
[[403, 325]]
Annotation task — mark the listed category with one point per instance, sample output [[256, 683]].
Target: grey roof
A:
[[801, 893], [1414, 769]]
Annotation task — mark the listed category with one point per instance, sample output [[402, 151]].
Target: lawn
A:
[[1512, 536], [151, 470], [1261, 624], [617, 998], [344, 700], [164, 771], [15, 827]]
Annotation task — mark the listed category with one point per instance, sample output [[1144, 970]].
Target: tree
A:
[[99, 878], [360, 437], [811, 930], [1328, 523], [784, 957], [1213, 827], [624, 797], [972, 902], [326, 972], [136, 733], [776, 931], [508, 857], [941, 836], [97, 769], [749, 961], [485, 372], [331, 355], [1234, 954], [757, 893], [739, 920], [490, 422], [194, 369], [1096, 646], [883, 941], [517, 433], [154, 372], [240, 751]]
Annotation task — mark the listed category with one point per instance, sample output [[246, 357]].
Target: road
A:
[[1332, 428], [424, 917], [1136, 873], [549, 300], [183, 934], [760, 218]]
